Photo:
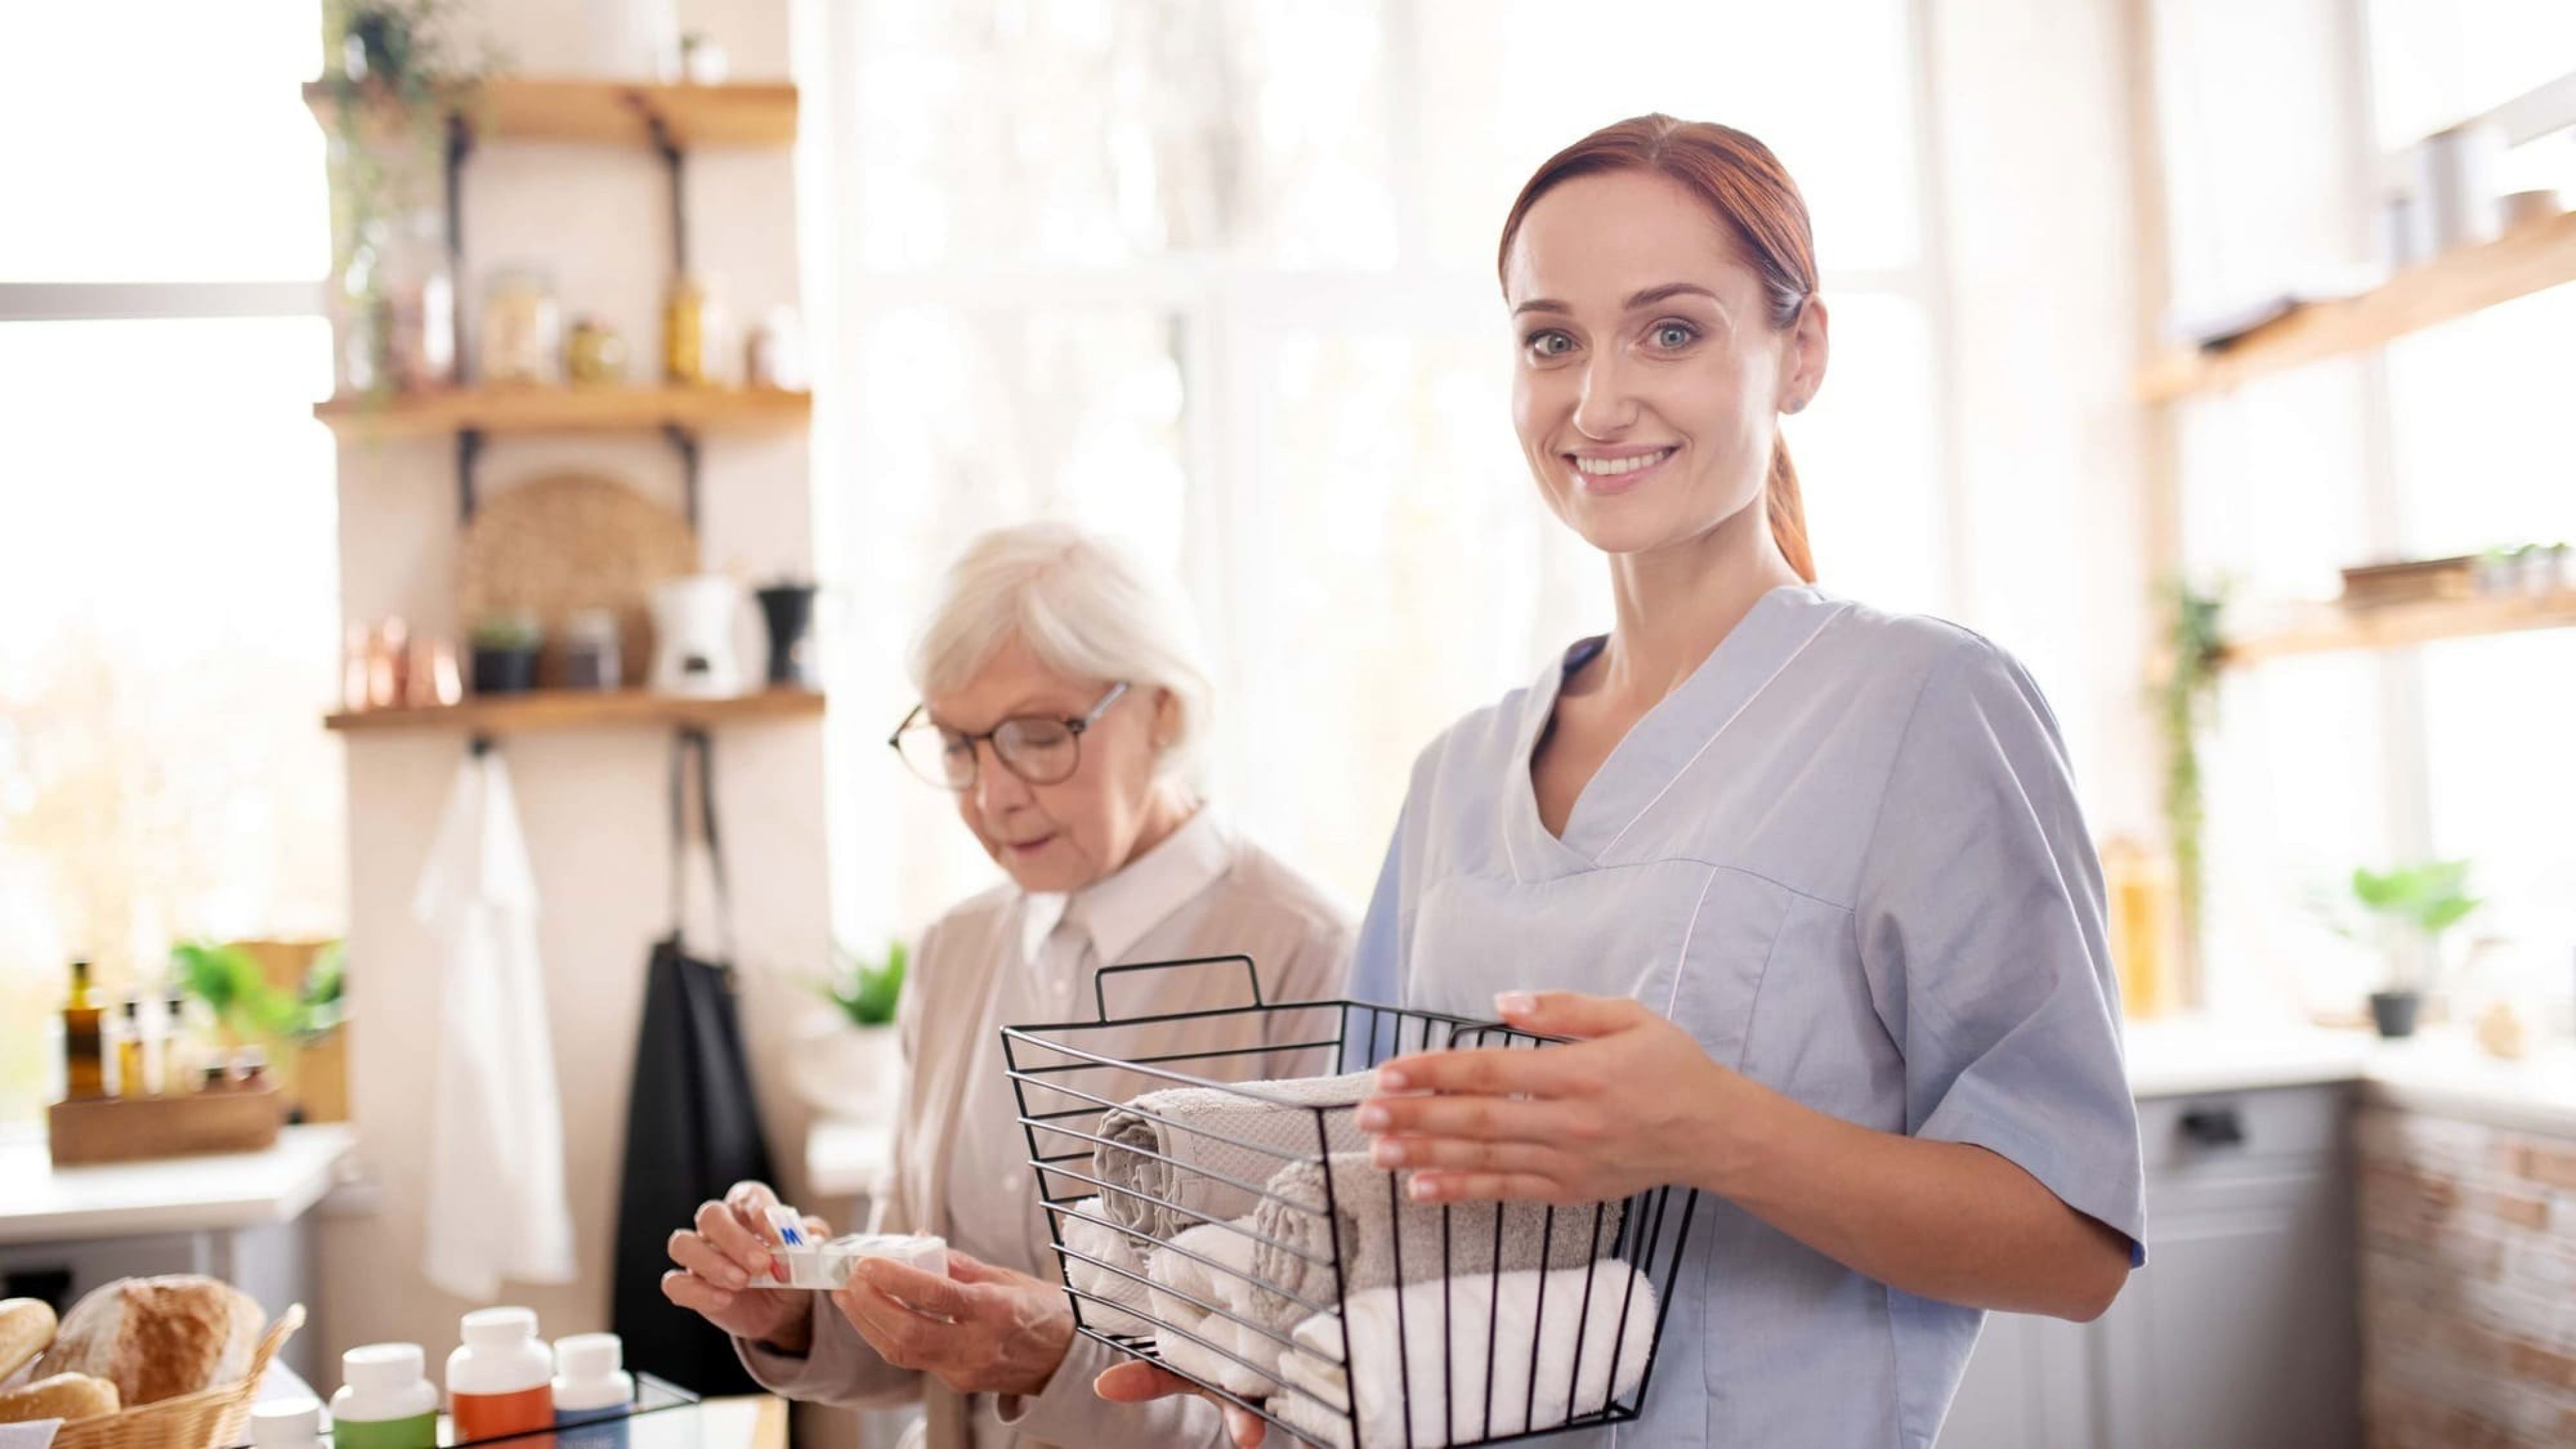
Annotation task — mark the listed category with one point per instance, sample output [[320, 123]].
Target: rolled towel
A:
[[1195, 1154], [1293, 1255], [1088, 1232], [1608, 1306], [1210, 1345]]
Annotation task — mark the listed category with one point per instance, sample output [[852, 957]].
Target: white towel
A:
[[1178, 1279], [1203, 1131], [496, 1207], [1377, 1225], [1087, 1232], [1614, 1316]]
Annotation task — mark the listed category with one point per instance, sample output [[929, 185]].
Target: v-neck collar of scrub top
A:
[[1663, 743]]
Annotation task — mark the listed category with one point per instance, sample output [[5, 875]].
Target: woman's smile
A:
[[1608, 472]]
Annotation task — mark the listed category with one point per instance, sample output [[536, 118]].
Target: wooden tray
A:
[[115, 1129]]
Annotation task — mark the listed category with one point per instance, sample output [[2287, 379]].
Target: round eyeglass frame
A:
[[1075, 726]]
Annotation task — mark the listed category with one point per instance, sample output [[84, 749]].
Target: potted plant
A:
[[2404, 912], [849, 1063], [505, 654], [2186, 694], [400, 75]]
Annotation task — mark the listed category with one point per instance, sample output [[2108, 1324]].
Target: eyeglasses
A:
[[1040, 749]]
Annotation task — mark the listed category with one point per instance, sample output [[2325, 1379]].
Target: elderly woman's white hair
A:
[[1085, 607]]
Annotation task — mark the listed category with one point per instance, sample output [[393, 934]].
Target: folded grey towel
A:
[[1292, 1252], [1194, 1154]]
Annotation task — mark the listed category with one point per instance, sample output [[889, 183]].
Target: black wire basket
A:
[[1213, 1209]]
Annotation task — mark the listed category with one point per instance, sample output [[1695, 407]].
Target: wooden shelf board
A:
[[562, 709], [600, 409], [2332, 628], [618, 113], [2530, 258]]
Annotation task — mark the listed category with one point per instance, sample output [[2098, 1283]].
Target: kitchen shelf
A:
[[2531, 258], [2328, 628], [601, 409], [564, 709], [617, 113]]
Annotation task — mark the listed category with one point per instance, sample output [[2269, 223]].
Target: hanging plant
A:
[[399, 73], [2186, 703]]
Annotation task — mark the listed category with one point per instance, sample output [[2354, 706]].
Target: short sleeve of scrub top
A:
[[1846, 855]]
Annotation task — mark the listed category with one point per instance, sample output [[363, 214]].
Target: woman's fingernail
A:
[[1386, 1153], [1515, 1003], [1372, 1117], [1389, 1079], [735, 1278], [1422, 1189]]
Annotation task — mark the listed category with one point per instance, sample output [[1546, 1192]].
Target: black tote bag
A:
[[692, 1124]]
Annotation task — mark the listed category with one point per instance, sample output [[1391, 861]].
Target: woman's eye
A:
[[1549, 344], [1675, 334]]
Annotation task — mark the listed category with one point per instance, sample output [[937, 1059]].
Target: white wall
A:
[[593, 802]]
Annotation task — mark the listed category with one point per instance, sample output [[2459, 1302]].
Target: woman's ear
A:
[[1808, 349], [1167, 719]]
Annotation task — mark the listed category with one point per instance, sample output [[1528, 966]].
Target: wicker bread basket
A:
[[208, 1419]]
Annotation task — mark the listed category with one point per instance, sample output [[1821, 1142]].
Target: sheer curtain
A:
[[1219, 278]]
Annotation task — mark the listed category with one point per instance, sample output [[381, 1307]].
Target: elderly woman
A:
[[1060, 701]]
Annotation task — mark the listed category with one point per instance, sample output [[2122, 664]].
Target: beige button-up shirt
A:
[[961, 1158]]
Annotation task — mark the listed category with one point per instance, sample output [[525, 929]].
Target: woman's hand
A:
[[724, 1254], [1629, 1106], [1138, 1382], [980, 1330]]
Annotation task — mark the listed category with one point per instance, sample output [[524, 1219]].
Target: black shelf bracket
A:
[[674, 162], [460, 146], [687, 444], [469, 448]]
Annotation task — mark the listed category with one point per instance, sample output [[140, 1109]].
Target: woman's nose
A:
[[996, 788], [1604, 409]]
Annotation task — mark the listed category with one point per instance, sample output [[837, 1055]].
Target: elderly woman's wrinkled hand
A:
[[980, 1330], [723, 1254]]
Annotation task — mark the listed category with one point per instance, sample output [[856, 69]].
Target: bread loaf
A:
[[64, 1396], [158, 1338], [26, 1327]]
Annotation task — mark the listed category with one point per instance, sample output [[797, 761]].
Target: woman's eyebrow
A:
[[1647, 298]]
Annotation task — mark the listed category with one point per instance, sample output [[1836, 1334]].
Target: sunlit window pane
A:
[[2478, 420], [2436, 62], [1253, 129], [161, 141], [168, 575], [1868, 455], [1509, 84]]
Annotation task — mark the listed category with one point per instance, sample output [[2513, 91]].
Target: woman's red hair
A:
[[1747, 189]]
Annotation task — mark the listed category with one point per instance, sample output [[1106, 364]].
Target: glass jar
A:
[[684, 332], [596, 354], [522, 341]]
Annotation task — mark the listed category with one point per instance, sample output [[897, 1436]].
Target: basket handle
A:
[[1100, 982], [274, 1340]]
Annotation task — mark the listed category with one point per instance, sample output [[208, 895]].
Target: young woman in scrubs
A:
[[1808, 880]]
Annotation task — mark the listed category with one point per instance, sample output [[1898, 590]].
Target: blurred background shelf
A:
[[2528, 259], [584, 709], [603, 409], [2330, 628], [618, 113]]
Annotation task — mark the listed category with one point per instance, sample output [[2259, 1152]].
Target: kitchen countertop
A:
[[2439, 1071], [42, 1204]]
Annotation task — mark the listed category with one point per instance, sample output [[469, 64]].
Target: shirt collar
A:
[[1122, 906]]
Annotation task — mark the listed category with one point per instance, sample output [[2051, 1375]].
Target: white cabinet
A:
[[2240, 1333]]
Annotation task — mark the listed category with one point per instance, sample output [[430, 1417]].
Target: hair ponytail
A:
[[1788, 512]]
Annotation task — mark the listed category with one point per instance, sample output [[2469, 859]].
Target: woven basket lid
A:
[[556, 546]]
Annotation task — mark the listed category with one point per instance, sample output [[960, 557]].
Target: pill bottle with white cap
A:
[[500, 1380], [385, 1400], [287, 1424], [592, 1391]]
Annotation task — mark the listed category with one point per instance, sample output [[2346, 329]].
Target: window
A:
[[1249, 320], [2447, 442], [167, 518]]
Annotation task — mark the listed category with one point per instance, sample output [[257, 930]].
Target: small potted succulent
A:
[[2404, 912], [505, 654], [849, 1062]]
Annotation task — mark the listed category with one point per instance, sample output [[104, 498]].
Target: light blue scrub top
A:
[[1845, 854]]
